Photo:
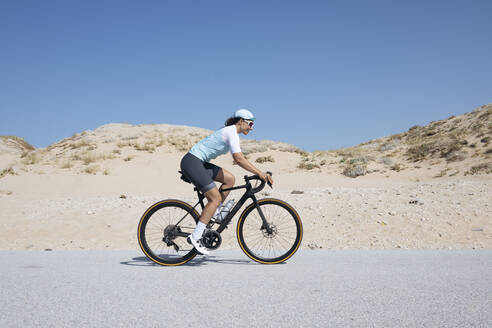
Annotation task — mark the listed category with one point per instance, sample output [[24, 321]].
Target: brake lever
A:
[[268, 182]]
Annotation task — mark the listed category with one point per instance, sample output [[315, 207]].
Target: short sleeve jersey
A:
[[218, 143]]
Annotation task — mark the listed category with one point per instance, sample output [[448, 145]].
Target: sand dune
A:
[[429, 187]]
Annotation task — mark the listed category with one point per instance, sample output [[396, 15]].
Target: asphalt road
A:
[[393, 288]]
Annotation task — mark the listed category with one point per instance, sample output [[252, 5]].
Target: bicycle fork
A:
[[265, 224]]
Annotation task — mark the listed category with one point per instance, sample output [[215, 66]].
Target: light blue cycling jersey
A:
[[218, 143]]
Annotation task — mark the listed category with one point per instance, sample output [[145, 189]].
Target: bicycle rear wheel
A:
[[275, 243], [163, 229]]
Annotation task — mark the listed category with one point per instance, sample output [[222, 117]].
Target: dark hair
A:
[[232, 120]]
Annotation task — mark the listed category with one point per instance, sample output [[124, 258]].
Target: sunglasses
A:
[[250, 123]]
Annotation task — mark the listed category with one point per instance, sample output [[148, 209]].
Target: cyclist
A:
[[196, 166]]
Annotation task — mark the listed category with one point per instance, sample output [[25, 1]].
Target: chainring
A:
[[211, 239]]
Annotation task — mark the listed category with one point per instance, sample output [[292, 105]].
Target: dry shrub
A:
[[255, 146], [485, 115], [418, 134], [160, 142], [456, 156], [287, 148], [88, 158], [484, 168], [355, 170], [175, 129], [134, 137], [349, 152], [451, 146], [361, 159], [180, 143], [250, 148], [18, 143], [398, 136], [7, 171], [148, 146], [414, 129], [122, 144], [445, 149], [442, 173], [477, 126], [430, 132], [91, 169], [307, 165], [80, 144], [387, 161], [265, 159], [387, 146], [396, 167], [31, 158], [66, 165]]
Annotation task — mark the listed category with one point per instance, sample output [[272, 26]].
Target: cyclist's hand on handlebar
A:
[[267, 178]]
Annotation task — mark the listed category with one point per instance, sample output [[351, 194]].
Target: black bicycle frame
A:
[[250, 193]]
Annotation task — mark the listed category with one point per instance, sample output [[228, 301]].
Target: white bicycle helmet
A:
[[244, 114]]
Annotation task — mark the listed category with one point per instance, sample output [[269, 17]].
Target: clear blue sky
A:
[[317, 74]]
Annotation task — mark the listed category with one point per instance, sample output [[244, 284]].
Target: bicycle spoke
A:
[[160, 233], [275, 241]]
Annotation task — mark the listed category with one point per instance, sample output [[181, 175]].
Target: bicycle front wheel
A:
[[274, 242], [163, 230]]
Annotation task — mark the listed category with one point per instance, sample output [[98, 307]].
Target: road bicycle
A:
[[269, 230]]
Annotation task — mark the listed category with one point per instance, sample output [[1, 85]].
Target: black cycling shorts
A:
[[201, 173]]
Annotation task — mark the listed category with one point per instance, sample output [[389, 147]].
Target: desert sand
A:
[[429, 187]]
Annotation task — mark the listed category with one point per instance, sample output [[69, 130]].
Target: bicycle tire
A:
[[259, 245], [152, 231]]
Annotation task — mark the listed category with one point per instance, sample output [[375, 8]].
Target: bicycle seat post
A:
[[201, 197]]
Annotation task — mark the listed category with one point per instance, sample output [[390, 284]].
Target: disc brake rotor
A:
[[272, 233]]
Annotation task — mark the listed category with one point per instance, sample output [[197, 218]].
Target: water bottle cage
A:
[[224, 211]]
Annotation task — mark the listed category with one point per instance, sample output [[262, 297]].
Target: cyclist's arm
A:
[[245, 164]]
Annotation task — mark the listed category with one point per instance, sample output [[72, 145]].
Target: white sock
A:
[[200, 227]]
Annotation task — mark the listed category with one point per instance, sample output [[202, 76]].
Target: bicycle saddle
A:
[[184, 178]]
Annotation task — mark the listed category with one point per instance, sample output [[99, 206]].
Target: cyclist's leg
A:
[[214, 198], [202, 175], [227, 179]]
